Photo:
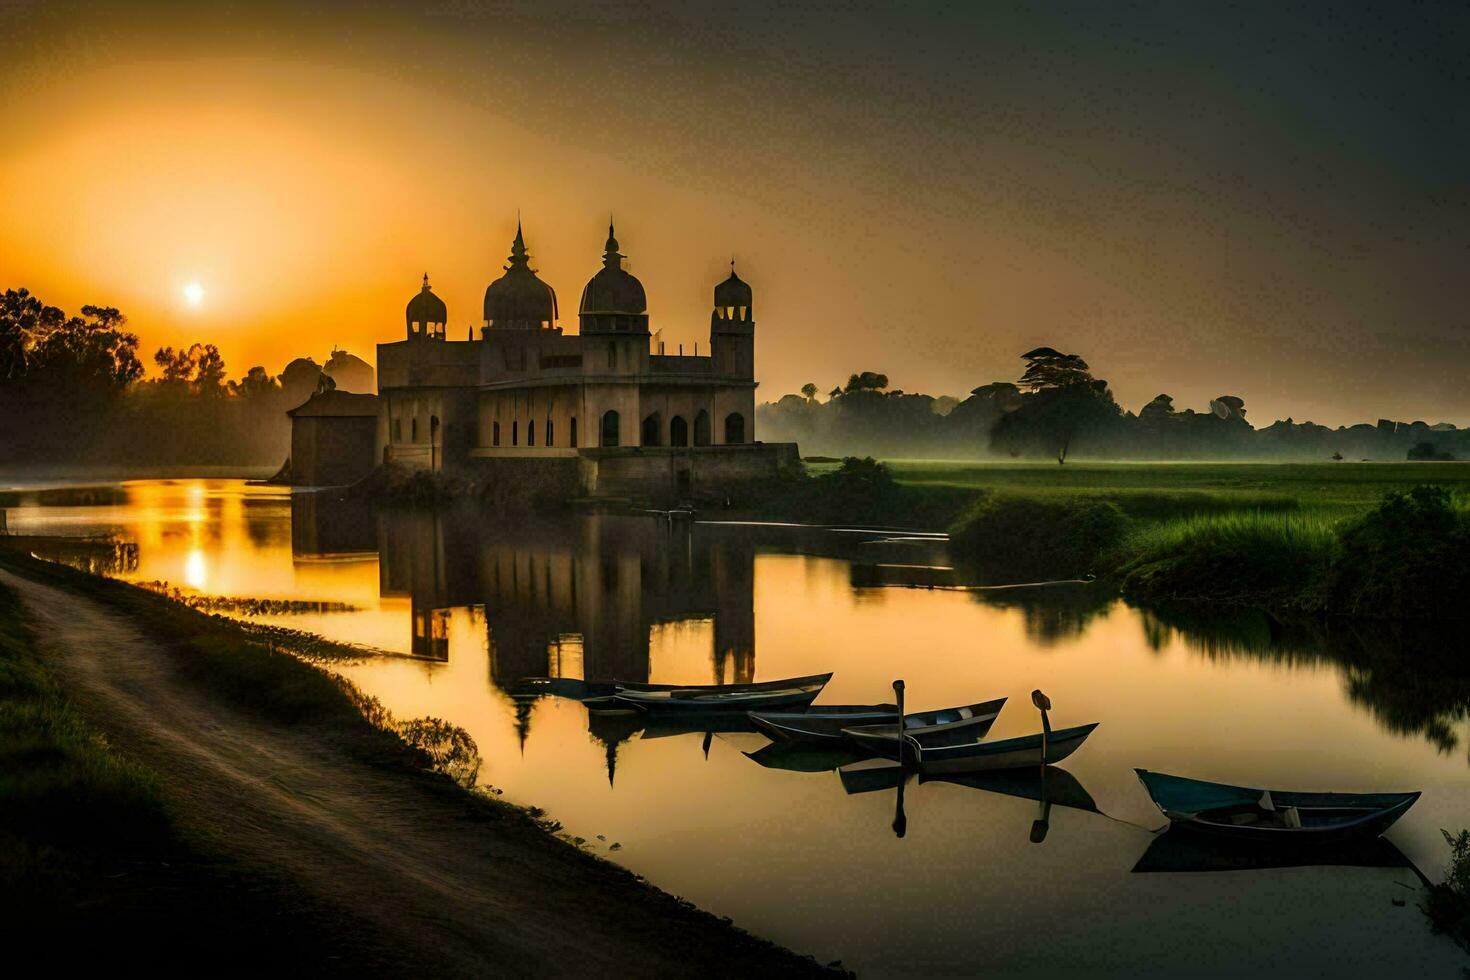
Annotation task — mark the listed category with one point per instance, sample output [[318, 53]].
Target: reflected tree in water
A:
[[1412, 678]]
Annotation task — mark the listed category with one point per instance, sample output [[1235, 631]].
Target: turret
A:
[[426, 315], [732, 328], [615, 311]]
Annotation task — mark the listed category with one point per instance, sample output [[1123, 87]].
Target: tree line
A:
[[1056, 409], [73, 389]]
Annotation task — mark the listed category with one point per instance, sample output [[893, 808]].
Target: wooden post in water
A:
[[898, 692]]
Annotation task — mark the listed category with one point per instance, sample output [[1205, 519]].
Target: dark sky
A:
[[1259, 199]]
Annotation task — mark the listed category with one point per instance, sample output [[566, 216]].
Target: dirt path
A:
[[409, 871]]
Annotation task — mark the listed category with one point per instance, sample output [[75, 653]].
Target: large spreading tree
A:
[[1062, 401]]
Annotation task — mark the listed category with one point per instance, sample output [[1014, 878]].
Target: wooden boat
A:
[[722, 697], [934, 755], [1272, 816], [821, 724], [964, 724]]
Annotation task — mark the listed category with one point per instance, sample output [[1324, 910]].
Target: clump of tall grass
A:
[[1244, 557], [1448, 903]]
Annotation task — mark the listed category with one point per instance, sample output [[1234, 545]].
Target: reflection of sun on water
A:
[[194, 569]]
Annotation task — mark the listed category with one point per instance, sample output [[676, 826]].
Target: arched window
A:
[[612, 356], [531, 432], [650, 430], [701, 428], [678, 431], [573, 433], [548, 433], [398, 430], [494, 433], [515, 433], [610, 428], [734, 428], [413, 429]]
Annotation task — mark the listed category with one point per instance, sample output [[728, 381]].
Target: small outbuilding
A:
[[333, 439]]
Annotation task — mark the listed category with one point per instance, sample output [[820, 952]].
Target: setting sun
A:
[[193, 294]]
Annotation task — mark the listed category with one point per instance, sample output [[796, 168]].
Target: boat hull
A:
[[1328, 819], [1009, 753], [821, 726], [953, 725], [723, 698]]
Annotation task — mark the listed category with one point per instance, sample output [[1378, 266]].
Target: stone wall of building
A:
[[332, 451], [665, 475]]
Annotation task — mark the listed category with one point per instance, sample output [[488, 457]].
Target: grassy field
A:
[[1321, 489], [1282, 535]]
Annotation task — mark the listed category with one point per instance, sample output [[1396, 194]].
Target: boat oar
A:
[[1042, 824], [1043, 704], [900, 819], [898, 693]]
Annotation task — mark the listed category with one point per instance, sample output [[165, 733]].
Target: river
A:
[[462, 606]]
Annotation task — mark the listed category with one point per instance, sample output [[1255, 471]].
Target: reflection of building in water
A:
[[577, 597], [412, 563], [328, 524]]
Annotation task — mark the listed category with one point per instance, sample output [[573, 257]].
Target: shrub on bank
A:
[[860, 491], [1038, 537], [1408, 557]]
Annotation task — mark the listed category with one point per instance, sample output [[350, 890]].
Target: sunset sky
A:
[[1243, 200]]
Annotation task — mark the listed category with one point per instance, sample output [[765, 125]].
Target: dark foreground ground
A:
[[284, 850]]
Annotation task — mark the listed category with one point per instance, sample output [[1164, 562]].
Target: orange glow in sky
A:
[[925, 196]]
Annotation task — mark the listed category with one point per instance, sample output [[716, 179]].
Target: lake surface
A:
[[464, 606]]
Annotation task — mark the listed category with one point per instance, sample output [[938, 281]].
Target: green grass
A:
[[1377, 540], [1330, 489], [1245, 557], [57, 774]]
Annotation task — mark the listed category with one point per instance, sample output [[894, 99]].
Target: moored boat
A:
[[1272, 816], [821, 724], [944, 725], [722, 697], [933, 756]]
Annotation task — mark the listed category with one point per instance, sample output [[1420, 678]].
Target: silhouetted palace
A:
[[595, 413]]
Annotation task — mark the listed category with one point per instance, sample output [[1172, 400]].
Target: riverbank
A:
[[1405, 558], [261, 779]]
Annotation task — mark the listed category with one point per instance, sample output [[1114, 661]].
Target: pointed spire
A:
[[612, 761], [610, 257], [518, 253], [426, 282]]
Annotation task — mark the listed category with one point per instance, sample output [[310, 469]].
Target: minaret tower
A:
[[732, 328]]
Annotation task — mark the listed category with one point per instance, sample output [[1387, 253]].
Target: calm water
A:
[[464, 607]]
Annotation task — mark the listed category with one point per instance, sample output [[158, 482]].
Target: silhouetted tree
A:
[[867, 381], [1063, 401], [809, 391]]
